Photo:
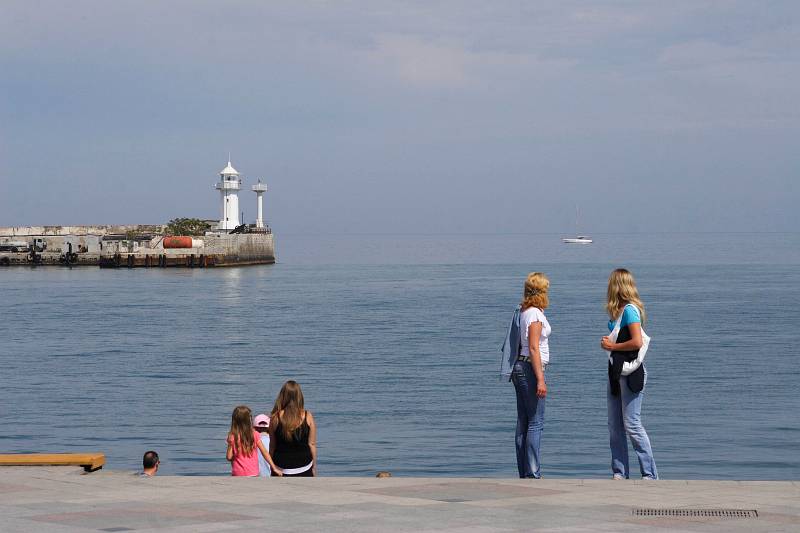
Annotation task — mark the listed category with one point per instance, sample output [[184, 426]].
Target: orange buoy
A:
[[182, 242]]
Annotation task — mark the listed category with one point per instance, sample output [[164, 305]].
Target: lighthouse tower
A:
[[228, 186], [260, 188]]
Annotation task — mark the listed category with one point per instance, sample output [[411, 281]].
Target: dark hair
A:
[[289, 409], [150, 459]]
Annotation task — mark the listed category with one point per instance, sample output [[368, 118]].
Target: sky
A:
[[404, 116]]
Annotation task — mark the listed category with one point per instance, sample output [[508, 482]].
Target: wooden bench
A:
[[89, 461]]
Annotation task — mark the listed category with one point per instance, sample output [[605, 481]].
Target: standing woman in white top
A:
[[528, 374]]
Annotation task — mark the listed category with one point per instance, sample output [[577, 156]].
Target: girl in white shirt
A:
[[528, 374]]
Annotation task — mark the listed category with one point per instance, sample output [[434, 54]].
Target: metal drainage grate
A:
[[696, 513]]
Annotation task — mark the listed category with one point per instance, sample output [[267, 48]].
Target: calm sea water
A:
[[395, 340]]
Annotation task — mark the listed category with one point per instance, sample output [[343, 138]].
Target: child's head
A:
[[242, 429], [261, 423]]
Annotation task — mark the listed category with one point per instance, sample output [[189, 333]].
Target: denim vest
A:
[[510, 347]]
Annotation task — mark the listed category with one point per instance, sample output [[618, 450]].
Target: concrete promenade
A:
[[65, 499]]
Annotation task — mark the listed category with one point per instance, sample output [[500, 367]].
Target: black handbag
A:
[[636, 378]]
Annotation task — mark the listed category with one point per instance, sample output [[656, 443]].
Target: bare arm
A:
[[268, 457], [634, 344], [229, 453], [272, 439], [312, 441], [534, 332]]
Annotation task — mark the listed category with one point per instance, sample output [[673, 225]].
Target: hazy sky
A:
[[419, 117]]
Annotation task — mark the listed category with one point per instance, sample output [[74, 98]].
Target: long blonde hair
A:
[[242, 430], [622, 291], [535, 291], [288, 409]]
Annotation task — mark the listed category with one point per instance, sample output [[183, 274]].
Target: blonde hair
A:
[[535, 292], [242, 430], [288, 409], [622, 291]]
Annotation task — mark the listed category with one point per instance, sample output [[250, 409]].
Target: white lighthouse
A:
[[229, 185], [259, 188]]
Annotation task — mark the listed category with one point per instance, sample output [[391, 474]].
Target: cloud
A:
[[421, 63], [751, 82], [703, 53], [607, 19], [424, 63]]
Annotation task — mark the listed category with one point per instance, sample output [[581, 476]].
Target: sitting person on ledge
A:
[[244, 444], [293, 433], [150, 463]]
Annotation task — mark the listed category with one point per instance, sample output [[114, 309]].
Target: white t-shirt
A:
[[528, 317], [264, 469]]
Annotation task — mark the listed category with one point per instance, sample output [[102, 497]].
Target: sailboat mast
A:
[[579, 239]]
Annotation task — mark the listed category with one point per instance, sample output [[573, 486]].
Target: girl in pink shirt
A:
[[244, 443]]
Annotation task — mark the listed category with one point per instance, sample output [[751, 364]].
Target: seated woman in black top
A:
[[293, 433]]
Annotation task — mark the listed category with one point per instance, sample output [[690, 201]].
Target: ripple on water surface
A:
[[399, 364]]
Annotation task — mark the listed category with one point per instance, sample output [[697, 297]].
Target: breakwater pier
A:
[[65, 499], [114, 246]]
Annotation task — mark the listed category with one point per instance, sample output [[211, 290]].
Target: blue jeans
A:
[[624, 421], [530, 420]]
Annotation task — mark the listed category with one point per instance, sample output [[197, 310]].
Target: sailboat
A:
[[579, 239]]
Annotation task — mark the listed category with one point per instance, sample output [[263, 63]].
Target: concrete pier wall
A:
[[246, 248], [84, 239], [132, 246], [98, 230]]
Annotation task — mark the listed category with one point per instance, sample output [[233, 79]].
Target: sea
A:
[[395, 340]]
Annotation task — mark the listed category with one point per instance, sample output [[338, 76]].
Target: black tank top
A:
[[294, 452]]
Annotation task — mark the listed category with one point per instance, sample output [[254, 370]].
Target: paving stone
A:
[[61, 499]]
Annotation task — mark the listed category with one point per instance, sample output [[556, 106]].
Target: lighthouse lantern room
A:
[[228, 186]]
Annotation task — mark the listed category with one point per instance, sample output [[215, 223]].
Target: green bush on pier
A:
[[187, 226]]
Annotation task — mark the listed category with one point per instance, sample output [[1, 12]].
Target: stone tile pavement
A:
[[64, 499]]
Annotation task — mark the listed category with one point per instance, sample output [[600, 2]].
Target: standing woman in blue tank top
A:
[[626, 392]]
